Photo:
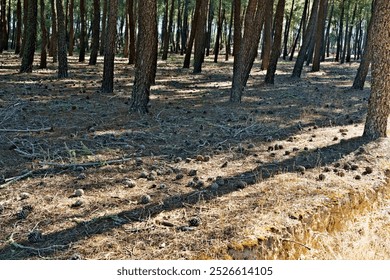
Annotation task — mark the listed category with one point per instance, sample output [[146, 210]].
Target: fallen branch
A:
[[14, 179], [26, 130], [86, 164]]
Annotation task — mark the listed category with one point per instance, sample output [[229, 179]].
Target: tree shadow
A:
[[61, 240]]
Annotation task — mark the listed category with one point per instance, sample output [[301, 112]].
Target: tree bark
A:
[[146, 56], [61, 41], [287, 30], [82, 31], [276, 48], [185, 29], [340, 35], [301, 24], [219, 32], [109, 48], [200, 37], [43, 62], [237, 29], [379, 102], [327, 34], [71, 27], [254, 19], [348, 55], [30, 40], [18, 26], [190, 44], [95, 33], [306, 41], [168, 31], [319, 36], [364, 66], [132, 38], [104, 24], [54, 34], [229, 36], [266, 52]]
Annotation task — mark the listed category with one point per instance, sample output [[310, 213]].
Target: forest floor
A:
[[283, 175]]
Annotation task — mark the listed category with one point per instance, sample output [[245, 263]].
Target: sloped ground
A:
[[278, 176]]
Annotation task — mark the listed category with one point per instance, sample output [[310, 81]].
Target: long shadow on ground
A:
[[62, 240]]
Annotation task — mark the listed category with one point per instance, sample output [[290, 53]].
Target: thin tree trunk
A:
[[237, 30], [254, 19], [169, 31], [219, 31], [185, 29], [132, 38], [61, 41], [306, 41], [95, 32], [378, 105], [54, 34], [18, 26], [301, 24], [344, 46], [146, 56], [104, 24], [319, 38], [179, 27], [229, 36], [327, 34], [25, 12], [109, 48], [364, 66], [187, 57], [276, 47], [209, 20], [30, 40], [340, 35], [200, 37], [71, 27], [82, 31], [348, 55], [287, 30], [266, 52], [43, 62]]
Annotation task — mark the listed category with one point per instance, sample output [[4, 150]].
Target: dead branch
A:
[[14, 179], [86, 164], [26, 130]]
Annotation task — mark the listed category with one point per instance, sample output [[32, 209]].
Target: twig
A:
[[26, 130], [14, 179], [86, 164], [296, 242]]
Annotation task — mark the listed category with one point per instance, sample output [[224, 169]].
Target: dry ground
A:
[[283, 175]]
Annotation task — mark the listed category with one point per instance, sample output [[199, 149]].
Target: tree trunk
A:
[[131, 32], [209, 19], [327, 34], [146, 56], [30, 40], [104, 24], [276, 48], [187, 57], [3, 26], [379, 102], [301, 24], [179, 27], [185, 29], [229, 37], [54, 34], [306, 41], [43, 62], [364, 66], [265, 54], [109, 49], [237, 29], [340, 36], [200, 37], [61, 41], [287, 30], [254, 19], [95, 32], [169, 31], [344, 46], [319, 36], [348, 55], [82, 31], [71, 27], [19, 26], [219, 31]]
